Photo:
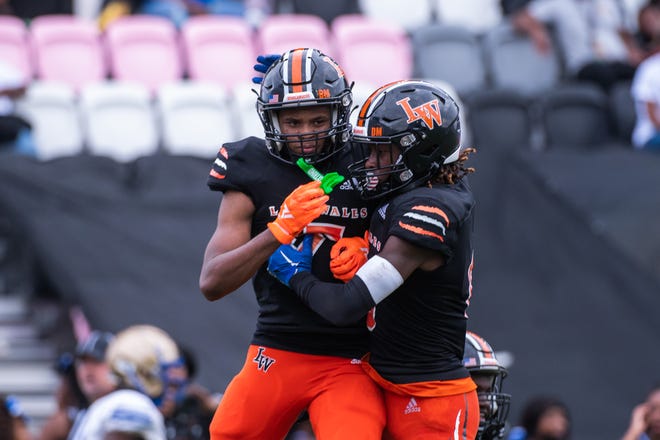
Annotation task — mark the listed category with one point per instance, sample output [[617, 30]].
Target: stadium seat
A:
[[144, 49], [52, 109], [280, 33], [371, 50], [478, 16], [195, 118], [399, 12], [450, 53], [67, 49], [514, 63], [14, 45], [219, 49], [575, 116], [499, 119], [243, 108], [118, 120], [622, 108]]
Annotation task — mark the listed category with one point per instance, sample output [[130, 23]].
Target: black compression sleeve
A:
[[341, 304]]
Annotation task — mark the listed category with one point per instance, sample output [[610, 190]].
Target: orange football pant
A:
[[265, 398], [453, 417]]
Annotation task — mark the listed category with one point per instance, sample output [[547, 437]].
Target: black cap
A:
[[94, 346]]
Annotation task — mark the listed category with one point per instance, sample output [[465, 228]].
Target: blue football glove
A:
[[288, 261], [264, 63]]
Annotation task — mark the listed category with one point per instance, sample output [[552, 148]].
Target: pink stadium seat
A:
[[282, 32], [145, 49], [14, 47], [372, 50], [219, 49], [67, 49]]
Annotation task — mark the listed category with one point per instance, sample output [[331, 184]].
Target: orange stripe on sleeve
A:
[[217, 175], [421, 231]]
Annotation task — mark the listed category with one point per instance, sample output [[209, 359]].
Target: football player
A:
[[487, 372], [416, 283], [297, 360], [141, 359]]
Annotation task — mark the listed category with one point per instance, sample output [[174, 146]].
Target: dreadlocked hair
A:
[[455, 171]]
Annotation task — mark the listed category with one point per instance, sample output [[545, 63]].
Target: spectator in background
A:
[[257, 10], [15, 131], [649, 24], [177, 11], [28, 9], [532, 18], [5, 8], [612, 28], [543, 418], [189, 410], [70, 401], [139, 360], [645, 418], [13, 424], [575, 23], [92, 377], [645, 91], [92, 372]]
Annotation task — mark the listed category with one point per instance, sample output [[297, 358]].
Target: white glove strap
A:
[[380, 277]]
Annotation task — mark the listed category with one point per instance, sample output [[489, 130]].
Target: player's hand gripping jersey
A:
[[348, 255]]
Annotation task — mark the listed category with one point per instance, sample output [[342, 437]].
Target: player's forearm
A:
[[225, 272], [340, 304]]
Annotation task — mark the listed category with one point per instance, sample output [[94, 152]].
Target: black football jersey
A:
[[419, 330], [284, 322]]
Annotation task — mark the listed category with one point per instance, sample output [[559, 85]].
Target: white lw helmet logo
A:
[[429, 112]]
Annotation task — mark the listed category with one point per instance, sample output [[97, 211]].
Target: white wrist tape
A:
[[380, 277]]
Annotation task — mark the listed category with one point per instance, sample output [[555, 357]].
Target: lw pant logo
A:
[[263, 362]]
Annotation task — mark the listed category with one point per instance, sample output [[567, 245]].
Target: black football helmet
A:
[[417, 117], [305, 77], [479, 359]]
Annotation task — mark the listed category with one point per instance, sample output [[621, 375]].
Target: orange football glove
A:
[[347, 256], [300, 208]]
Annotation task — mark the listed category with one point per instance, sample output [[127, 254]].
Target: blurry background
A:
[[105, 214]]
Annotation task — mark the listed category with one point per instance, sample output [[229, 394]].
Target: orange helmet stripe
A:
[[485, 346], [369, 101], [297, 70]]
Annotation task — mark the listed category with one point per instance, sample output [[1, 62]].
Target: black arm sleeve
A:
[[340, 304]]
